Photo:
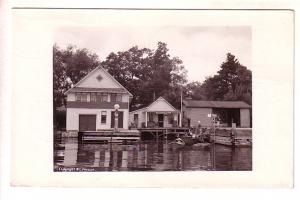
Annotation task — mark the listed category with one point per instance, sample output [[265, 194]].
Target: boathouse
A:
[[90, 103], [226, 112], [159, 113]]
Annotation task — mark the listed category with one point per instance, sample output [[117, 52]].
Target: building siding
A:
[[201, 114], [98, 79], [73, 118], [142, 118], [245, 117], [71, 97], [105, 82], [160, 105], [198, 114], [99, 105]]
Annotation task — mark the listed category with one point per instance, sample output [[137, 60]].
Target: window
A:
[[101, 97], [81, 97], [151, 116], [77, 97], [105, 97], [103, 117], [136, 117], [171, 118], [98, 97], [93, 97], [116, 97], [113, 97], [119, 97]]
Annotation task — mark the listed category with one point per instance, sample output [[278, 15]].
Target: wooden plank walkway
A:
[[159, 132], [232, 136], [109, 136]]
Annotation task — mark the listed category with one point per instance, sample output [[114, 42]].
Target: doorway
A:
[[160, 120], [87, 122], [120, 119]]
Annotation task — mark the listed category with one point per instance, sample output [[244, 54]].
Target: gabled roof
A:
[[75, 87], [215, 104], [149, 106]]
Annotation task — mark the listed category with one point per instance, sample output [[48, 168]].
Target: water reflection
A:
[[148, 155]]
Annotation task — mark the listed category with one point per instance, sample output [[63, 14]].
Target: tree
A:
[[69, 66], [232, 82], [147, 73], [131, 68]]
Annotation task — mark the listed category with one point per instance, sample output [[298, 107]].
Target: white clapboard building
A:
[[159, 113], [90, 103]]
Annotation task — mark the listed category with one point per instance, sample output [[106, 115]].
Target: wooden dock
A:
[[158, 132], [232, 136], [225, 136], [106, 136]]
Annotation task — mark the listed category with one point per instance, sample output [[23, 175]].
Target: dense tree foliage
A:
[[69, 66], [194, 90], [233, 82], [149, 73]]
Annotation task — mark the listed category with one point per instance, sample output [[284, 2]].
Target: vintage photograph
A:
[[165, 98]]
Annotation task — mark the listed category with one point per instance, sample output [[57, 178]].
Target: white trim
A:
[[163, 100], [81, 80], [115, 80], [92, 73], [159, 98], [138, 110]]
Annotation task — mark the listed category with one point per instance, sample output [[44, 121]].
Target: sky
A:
[[201, 48]]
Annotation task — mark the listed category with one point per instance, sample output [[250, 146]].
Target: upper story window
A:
[[119, 97], [104, 97], [116, 97], [99, 97], [93, 97], [81, 97]]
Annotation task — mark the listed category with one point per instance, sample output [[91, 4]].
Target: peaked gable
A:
[[161, 105], [99, 78]]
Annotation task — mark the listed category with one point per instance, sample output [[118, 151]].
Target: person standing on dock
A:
[[199, 134], [199, 128]]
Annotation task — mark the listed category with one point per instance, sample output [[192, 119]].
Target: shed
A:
[[227, 112]]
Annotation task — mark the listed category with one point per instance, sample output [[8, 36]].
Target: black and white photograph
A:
[[168, 98], [151, 98]]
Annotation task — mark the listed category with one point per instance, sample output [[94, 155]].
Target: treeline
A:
[[150, 73]]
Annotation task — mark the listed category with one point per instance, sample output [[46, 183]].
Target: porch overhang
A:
[[163, 112]]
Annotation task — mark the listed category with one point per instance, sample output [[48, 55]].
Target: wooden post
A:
[[146, 122], [166, 134], [181, 111], [233, 135], [180, 120]]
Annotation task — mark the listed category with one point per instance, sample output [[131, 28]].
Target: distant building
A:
[[90, 103], [159, 113], [227, 112]]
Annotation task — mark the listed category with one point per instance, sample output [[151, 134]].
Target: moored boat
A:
[[189, 141]]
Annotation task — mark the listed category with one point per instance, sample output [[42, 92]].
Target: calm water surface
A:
[[69, 155]]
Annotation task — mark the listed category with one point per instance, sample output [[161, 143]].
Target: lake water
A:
[[69, 155]]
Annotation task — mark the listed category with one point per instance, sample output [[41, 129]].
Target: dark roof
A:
[[215, 104], [113, 90]]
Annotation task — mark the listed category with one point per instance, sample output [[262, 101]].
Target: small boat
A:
[[205, 144], [188, 141]]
